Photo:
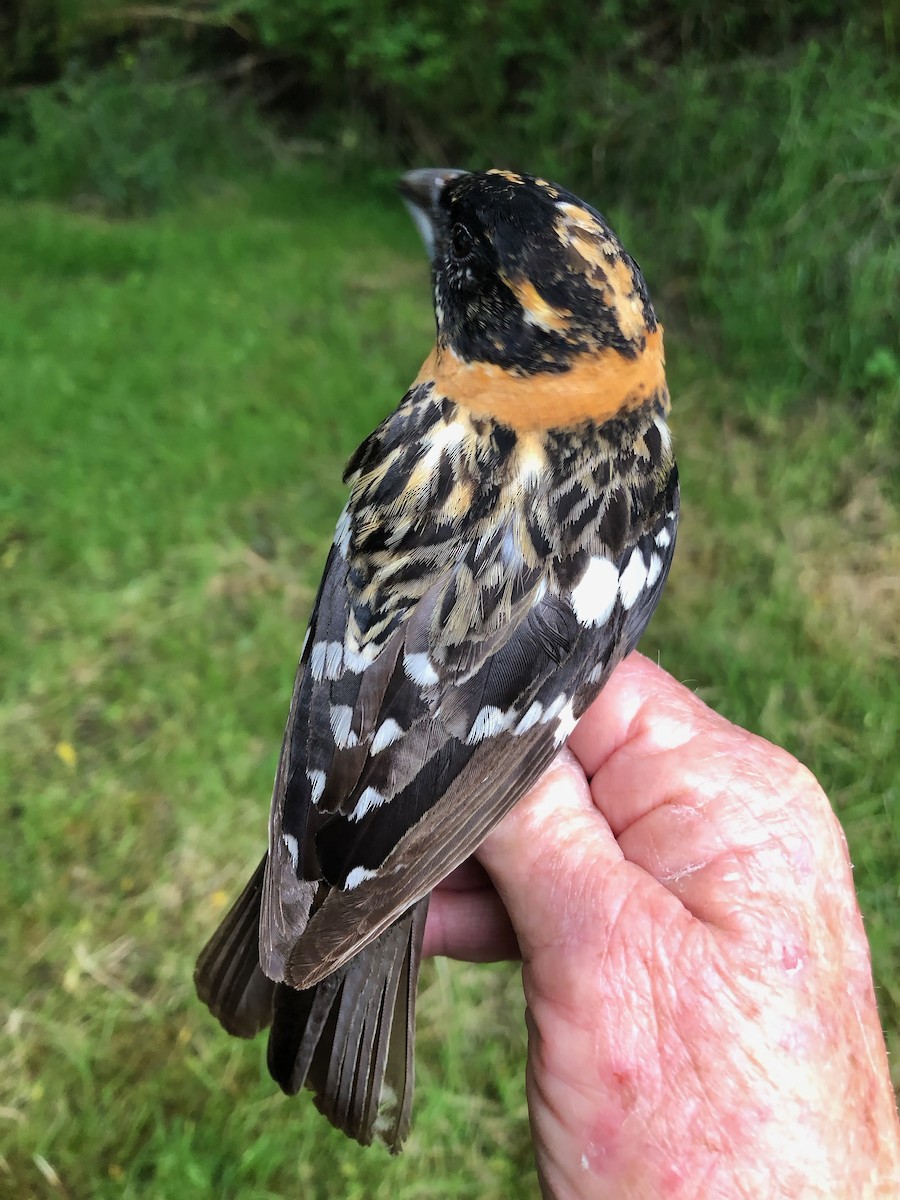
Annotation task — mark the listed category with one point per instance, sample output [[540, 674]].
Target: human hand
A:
[[700, 1007]]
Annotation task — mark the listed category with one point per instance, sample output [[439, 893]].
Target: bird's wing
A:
[[396, 765]]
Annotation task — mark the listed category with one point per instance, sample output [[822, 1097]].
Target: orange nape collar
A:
[[599, 385]]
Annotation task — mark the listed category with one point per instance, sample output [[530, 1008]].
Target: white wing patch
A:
[[419, 669], [329, 660], [664, 537], [357, 660], [357, 876], [554, 709], [566, 723], [530, 718], [326, 661], [340, 719], [632, 580], [317, 783], [653, 570], [490, 721], [371, 798], [293, 848], [594, 596], [385, 735]]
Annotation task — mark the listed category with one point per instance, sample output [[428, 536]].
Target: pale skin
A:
[[700, 1007]]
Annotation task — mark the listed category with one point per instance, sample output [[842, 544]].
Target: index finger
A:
[[711, 811]]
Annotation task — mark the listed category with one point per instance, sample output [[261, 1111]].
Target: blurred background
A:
[[209, 294]]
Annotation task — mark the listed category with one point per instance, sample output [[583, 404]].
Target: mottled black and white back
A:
[[507, 537]]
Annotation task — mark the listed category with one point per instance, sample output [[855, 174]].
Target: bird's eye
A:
[[461, 242]]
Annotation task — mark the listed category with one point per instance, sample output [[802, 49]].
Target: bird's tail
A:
[[227, 976], [349, 1039]]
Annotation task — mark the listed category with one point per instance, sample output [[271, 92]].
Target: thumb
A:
[[550, 858]]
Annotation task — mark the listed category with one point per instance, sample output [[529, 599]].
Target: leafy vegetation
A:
[[129, 137]]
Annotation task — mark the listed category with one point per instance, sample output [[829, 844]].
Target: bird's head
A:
[[526, 275]]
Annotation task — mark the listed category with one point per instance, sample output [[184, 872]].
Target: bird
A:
[[508, 533]]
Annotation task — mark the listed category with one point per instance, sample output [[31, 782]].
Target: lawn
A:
[[179, 394]]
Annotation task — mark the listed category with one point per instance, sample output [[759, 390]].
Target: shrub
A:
[[127, 136]]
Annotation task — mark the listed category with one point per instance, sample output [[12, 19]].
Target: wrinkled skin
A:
[[700, 1007]]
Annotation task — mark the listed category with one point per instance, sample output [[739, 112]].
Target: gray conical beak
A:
[[421, 191]]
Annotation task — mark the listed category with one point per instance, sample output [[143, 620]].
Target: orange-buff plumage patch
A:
[[596, 387], [537, 310]]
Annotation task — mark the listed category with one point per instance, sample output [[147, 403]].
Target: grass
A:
[[179, 395]]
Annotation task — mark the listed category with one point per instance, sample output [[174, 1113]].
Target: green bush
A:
[[126, 137]]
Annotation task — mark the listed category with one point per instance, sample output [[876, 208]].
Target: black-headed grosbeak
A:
[[508, 534]]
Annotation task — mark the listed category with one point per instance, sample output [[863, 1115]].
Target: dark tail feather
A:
[[350, 1038], [227, 976]]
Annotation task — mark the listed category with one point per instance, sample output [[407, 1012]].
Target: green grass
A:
[[178, 397]]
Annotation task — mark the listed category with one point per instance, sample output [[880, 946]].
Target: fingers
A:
[[469, 924], [469, 876], [640, 698], [725, 820], [550, 859], [678, 797]]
